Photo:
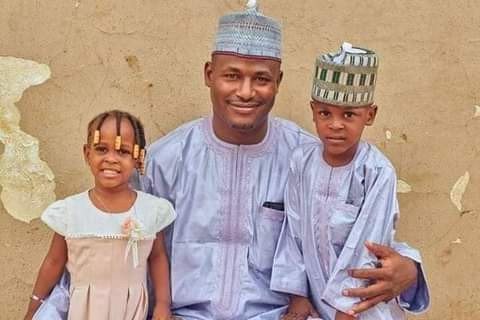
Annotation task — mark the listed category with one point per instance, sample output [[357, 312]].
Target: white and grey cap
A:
[[346, 78], [249, 33]]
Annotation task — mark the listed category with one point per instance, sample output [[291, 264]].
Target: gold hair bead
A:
[[96, 137], [136, 151], [142, 162], [118, 142]]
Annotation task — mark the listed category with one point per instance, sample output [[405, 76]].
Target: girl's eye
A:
[[124, 151], [100, 149]]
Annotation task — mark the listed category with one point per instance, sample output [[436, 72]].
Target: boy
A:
[[340, 193]]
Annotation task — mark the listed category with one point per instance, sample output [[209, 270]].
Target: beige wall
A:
[[147, 56]]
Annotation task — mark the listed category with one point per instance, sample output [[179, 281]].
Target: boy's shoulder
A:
[[292, 131], [370, 156]]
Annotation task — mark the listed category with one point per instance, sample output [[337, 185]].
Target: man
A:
[[226, 174]]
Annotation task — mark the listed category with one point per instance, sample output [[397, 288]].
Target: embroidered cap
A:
[[346, 78], [249, 33]]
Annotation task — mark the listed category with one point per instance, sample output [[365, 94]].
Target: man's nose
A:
[[246, 91]]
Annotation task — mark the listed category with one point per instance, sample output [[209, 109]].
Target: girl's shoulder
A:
[[157, 212], [57, 215]]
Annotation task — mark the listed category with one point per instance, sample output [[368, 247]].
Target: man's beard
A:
[[243, 126]]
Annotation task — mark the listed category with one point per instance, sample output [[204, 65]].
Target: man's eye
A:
[[263, 79], [231, 76]]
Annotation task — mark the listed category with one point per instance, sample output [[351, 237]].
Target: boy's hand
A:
[[394, 275], [299, 308]]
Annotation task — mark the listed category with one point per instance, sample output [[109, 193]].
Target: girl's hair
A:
[[95, 125]]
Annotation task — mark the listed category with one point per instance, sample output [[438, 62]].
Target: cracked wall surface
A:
[[147, 57], [26, 181]]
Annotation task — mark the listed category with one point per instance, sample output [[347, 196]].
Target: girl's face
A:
[[112, 168]]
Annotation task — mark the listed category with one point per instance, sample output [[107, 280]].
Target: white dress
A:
[[108, 265]]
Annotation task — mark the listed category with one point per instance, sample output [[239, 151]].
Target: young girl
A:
[[107, 236]]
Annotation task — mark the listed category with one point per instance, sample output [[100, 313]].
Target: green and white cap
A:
[[346, 78]]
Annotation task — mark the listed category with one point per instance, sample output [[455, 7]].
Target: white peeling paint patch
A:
[[403, 187], [477, 111], [27, 183], [456, 194], [458, 241], [388, 134]]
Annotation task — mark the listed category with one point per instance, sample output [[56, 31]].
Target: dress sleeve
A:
[[165, 215], [375, 222], [56, 217], [288, 272]]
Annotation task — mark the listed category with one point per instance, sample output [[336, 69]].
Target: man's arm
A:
[[397, 275]]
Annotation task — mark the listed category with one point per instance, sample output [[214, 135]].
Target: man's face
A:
[[243, 92], [340, 129]]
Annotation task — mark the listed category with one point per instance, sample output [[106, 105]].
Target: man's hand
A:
[[394, 275], [299, 308]]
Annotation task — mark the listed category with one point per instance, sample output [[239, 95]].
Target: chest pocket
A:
[[341, 220], [267, 230]]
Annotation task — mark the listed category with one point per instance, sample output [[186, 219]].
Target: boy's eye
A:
[[323, 113], [348, 114]]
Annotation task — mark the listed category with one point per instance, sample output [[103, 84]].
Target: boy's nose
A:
[[336, 124]]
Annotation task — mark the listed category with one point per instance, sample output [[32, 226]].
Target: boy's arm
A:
[[375, 222], [50, 271], [159, 272], [288, 272]]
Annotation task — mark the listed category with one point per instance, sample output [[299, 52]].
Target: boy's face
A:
[[112, 168], [243, 92], [340, 129]]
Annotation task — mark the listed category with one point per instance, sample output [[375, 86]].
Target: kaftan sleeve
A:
[[56, 217], [288, 272], [375, 223], [415, 299], [162, 165]]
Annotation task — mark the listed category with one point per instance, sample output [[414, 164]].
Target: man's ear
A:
[[207, 73], [279, 80], [372, 113]]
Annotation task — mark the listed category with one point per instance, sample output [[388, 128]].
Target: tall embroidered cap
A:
[[249, 33], [346, 78]]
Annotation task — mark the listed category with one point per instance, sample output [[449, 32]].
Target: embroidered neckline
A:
[[266, 145]]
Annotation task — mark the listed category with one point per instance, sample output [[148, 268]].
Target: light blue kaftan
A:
[[223, 241], [331, 212]]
